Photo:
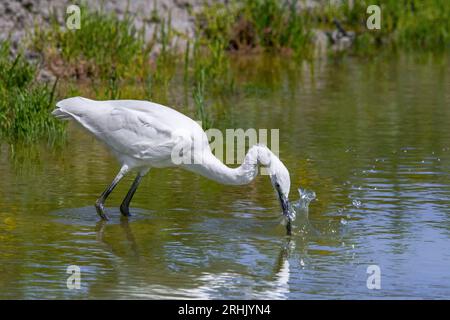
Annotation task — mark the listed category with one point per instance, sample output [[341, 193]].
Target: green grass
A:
[[199, 101], [109, 53], [102, 44], [269, 25], [108, 58], [25, 106], [422, 25], [427, 26], [166, 62], [279, 25], [106, 47]]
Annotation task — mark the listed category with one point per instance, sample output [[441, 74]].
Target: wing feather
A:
[[140, 129]]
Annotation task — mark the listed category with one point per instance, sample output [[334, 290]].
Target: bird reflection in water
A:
[[125, 226], [210, 285]]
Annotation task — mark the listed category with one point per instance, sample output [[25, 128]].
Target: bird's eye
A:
[[277, 185]]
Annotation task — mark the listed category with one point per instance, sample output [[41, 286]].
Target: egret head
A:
[[281, 182]]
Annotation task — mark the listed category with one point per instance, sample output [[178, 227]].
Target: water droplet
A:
[[306, 196], [356, 203]]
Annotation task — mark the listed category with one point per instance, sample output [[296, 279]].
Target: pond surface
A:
[[370, 138]]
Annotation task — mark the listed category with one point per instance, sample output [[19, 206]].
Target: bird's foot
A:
[[125, 210], [101, 210]]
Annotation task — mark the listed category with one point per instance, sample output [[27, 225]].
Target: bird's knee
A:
[[99, 203]]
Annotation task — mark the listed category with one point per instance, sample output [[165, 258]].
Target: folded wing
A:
[[138, 129]]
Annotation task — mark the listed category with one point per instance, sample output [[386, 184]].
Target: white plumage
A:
[[144, 135]]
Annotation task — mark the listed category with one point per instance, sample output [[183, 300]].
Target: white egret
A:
[[144, 135]]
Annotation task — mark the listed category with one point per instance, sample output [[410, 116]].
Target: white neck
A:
[[212, 168]]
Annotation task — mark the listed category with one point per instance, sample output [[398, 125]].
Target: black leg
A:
[[100, 203], [125, 206], [289, 227]]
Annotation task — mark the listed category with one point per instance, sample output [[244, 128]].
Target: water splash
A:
[[356, 203], [300, 209], [306, 196]]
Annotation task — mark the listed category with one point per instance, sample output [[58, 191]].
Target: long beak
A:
[[286, 207]]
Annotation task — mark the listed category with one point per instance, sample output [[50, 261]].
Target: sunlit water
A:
[[370, 138]]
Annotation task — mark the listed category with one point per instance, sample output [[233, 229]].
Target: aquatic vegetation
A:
[[110, 52], [186, 62], [104, 42], [280, 25], [24, 105], [257, 24], [112, 90], [426, 25], [214, 23], [411, 24], [165, 64], [111, 55], [199, 101]]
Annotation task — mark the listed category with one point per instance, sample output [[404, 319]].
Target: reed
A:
[[199, 101], [103, 42], [25, 105]]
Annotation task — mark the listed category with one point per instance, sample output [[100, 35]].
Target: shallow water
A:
[[371, 139]]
